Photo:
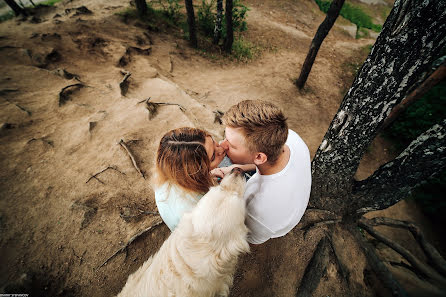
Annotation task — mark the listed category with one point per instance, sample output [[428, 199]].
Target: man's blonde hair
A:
[[263, 125]]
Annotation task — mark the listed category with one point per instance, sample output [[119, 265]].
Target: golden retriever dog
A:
[[199, 257]]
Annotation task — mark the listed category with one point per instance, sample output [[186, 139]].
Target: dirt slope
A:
[[58, 228]]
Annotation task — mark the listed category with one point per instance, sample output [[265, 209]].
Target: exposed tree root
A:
[[425, 270], [67, 91], [124, 84], [96, 174], [315, 270], [43, 139], [122, 143], [152, 107], [435, 258], [378, 266], [342, 268], [218, 116], [130, 51], [136, 236]]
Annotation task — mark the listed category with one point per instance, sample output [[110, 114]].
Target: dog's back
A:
[[199, 257]]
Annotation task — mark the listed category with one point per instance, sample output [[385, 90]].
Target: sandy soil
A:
[[59, 229]]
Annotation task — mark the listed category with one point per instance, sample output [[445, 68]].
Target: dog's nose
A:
[[237, 171]]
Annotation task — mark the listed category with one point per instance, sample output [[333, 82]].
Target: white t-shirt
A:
[[276, 203]]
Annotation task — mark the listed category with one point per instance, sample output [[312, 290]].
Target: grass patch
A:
[[49, 2], [353, 13], [244, 51], [7, 16], [155, 19]]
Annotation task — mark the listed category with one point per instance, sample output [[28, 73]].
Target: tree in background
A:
[[15, 7], [141, 6], [229, 40], [321, 33], [191, 23], [218, 20], [411, 40]]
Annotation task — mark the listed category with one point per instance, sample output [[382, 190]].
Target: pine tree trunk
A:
[[229, 40], [217, 28], [141, 6], [412, 37], [15, 7], [191, 23], [322, 31]]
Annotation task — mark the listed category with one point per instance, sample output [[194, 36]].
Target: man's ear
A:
[[260, 158]]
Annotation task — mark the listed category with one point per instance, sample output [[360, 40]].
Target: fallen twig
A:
[[96, 174], [124, 84], [159, 222], [122, 143], [65, 92]]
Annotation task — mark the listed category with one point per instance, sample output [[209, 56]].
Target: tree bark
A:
[[392, 182], [15, 7], [437, 76], [322, 31], [191, 22], [217, 28], [412, 37], [229, 40], [141, 6]]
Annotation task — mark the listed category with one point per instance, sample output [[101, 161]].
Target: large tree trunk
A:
[[412, 37], [322, 31], [141, 6], [15, 7], [191, 23], [229, 30], [217, 28]]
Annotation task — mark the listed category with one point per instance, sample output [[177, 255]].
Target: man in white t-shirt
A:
[[257, 138]]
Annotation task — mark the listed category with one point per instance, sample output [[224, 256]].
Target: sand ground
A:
[[58, 227]]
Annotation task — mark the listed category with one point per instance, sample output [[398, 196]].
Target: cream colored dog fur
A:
[[199, 257]]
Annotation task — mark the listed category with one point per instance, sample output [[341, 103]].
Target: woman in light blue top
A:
[[184, 160]]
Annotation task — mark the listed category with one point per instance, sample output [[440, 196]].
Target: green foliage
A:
[[49, 2], [206, 17], [171, 9], [155, 18], [352, 13], [417, 118], [420, 116], [207, 14], [244, 50], [7, 16]]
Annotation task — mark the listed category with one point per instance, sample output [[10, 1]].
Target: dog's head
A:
[[219, 216]]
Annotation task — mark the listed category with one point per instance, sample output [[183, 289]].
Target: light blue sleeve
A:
[[172, 203]]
